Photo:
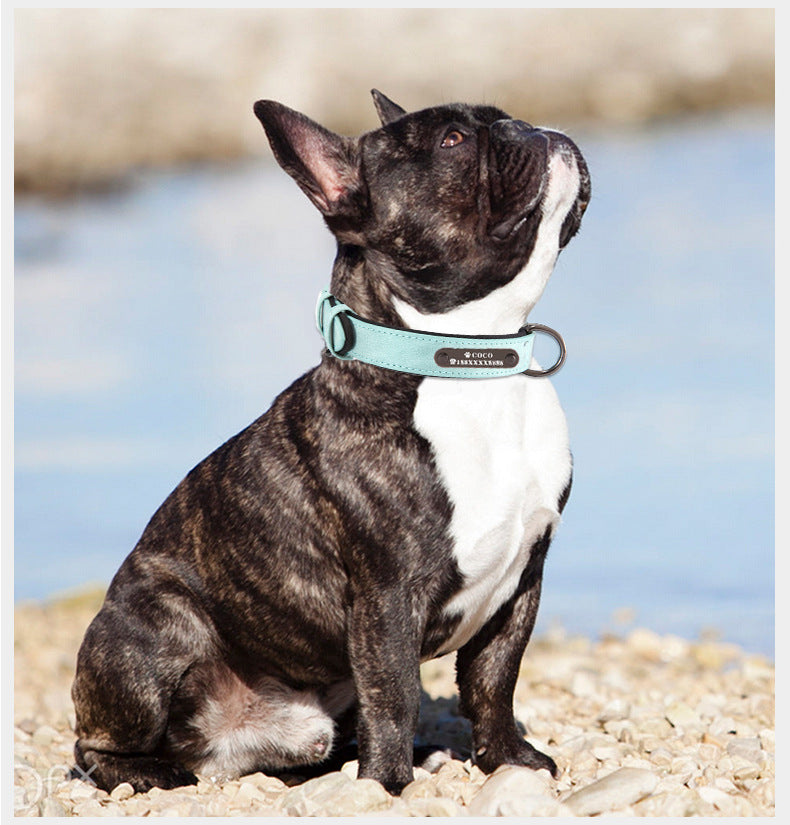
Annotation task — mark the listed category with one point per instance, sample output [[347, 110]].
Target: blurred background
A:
[[161, 256]]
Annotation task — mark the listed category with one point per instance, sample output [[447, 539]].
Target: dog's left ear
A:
[[320, 161], [388, 111]]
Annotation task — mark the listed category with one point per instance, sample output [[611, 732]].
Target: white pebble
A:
[[351, 769], [612, 792], [509, 782], [615, 710], [45, 736], [122, 792], [680, 715], [746, 748]]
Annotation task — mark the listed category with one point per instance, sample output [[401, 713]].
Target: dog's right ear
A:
[[387, 110], [322, 163]]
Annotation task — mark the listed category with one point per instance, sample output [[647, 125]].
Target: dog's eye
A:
[[452, 138]]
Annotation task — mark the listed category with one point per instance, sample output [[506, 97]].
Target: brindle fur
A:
[[312, 550]]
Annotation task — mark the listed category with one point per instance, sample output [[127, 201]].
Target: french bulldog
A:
[[281, 600]]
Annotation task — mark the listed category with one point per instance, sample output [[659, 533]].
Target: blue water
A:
[[153, 323]]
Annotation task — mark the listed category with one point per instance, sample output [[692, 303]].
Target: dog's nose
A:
[[513, 129]]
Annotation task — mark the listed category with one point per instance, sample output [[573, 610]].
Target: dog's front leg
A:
[[487, 669], [383, 645]]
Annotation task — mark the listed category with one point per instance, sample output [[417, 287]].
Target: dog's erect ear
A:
[[388, 111], [321, 162]]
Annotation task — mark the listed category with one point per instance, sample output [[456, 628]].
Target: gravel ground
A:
[[643, 725]]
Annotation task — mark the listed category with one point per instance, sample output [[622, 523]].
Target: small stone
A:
[[508, 782], [675, 804], [613, 792], [662, 757], [420, 789], [217, 806], [709, 739], [351, 769], [722, 726], [90, 807], [49, 806], [364, 796], [441, 806], [261, 780], [743, 769], [121, 792], [421, 773], [720, 800], [44, 736], [533, 805], [709, 752], [684, 767], [111, 808], [621, 729], [310, 797], [710, 656], [757, 669], [604, 752], [646, 643], [768, 740], [82, 791], [680, 715], [583, 685], [746, 748], [657, 726], [617, 709], [249, 793], [724, 784]]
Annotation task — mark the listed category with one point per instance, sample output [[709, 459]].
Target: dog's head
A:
[[448, 204]]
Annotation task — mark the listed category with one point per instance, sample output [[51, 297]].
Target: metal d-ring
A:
[[345, 324], [558, 338]]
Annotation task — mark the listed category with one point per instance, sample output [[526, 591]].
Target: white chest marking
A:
[[501, 447], [501, 444]]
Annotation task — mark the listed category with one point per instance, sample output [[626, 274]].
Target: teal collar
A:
[[349, 337]]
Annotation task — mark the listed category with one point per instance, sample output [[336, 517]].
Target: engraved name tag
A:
[[476, 359]]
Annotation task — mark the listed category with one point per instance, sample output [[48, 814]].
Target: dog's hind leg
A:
[[223, 725], [133, 657]]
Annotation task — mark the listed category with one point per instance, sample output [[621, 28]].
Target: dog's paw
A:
[[106, 771], [519, 752]]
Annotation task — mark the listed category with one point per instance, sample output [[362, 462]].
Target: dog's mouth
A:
[[531, 171]]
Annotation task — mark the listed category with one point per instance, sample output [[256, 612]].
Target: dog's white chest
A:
[[501, 448]]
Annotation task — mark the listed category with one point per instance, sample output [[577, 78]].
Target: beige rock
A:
[[89, 807], [680, 715], [616, 709], [82, 791], [438, 806], [509, 782], [351, 769], [420, 789], [49, 806], [121, 792], [678, 803], [45, 735], [615, 791], [336, 794], [249, 793], [746, 748], [719, 799]]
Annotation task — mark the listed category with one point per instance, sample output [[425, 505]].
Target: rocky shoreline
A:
[[643, 725]]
